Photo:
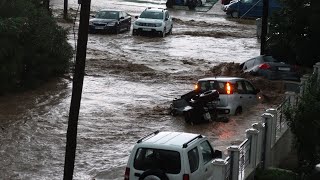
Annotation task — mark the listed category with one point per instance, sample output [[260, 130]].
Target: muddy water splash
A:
[[129, 84]]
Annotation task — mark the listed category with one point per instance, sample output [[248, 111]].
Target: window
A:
[[211, 85], [166, 160], [193, 156], [240, 89], [247, 1], [249, 87], [206, 151], [151, 15]]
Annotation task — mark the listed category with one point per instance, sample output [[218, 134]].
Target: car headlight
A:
[[137, 23], [111, 24], [158, 24]]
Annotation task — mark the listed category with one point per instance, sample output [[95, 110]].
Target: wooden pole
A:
[[77, 90], [65, 9], [264, 27]]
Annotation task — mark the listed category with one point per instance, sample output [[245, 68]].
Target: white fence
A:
[[266, 143], [257, 150]]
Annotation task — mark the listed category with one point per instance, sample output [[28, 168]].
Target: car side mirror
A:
[[122, 17], [257, 91], [136, 17], [166, 19], [217, 154], [93, 16]]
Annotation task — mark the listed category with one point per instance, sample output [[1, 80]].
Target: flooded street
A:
[[129, 84]]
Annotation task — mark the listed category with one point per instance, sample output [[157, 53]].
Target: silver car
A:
[[235, 94]]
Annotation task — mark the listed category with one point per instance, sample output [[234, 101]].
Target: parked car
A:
[[106, 20], [235, 95], [171, 155], [225, 2], [190, 3], [153, 20], [249, 8], [270, 68]]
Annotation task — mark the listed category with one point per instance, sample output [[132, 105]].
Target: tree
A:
[[304, 123], [33, 48], [294, 31]]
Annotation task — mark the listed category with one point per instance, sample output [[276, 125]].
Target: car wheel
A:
[[238, 111], [235, 14], [192, 4], [134, 33], [151, 174], [170, 32], [169, 3], [199, 3], [117, 31], [163, 34]]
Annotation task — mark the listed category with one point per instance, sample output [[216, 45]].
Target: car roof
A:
[[116, 10], [155, 9], [221, 78], [167, 138]]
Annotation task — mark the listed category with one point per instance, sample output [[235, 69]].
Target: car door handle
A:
[[240, 97], [206, 170], [250, 97]]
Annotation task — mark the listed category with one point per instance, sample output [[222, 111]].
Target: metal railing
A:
[[245, 153], [228, 169]]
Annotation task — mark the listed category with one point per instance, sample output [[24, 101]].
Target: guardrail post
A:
[[273, 126], [291, 96], [234, 153], [260, 144], [219, 169], [267, 152], [252, 134], [316, 69], [303, 84]]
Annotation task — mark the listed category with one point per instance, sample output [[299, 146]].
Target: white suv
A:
[[171, 156], [153, 20]]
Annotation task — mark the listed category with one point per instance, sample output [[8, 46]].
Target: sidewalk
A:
[[216, 9]]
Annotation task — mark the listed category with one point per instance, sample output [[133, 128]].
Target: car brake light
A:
[[228, 88], [264, 66], [196, 87], [127, 174], [186, 177]]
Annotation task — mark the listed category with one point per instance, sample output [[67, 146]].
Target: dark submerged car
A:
[[270, 68], [114, 21]]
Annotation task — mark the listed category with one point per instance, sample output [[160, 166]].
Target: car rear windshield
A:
[[166, 160], [212, 85], [107, 15]]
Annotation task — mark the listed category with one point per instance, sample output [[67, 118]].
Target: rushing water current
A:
[[129, 84]]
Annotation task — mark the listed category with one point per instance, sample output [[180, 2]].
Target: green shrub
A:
[[275, 174], [304, 123], [33, 48]]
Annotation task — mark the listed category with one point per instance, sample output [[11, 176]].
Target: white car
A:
[[153, 20], [235, 94], [171, 156]]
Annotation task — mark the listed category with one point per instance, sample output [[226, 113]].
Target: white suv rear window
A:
[[166, 160]]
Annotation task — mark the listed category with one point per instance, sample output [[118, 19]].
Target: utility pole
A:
[[47, 5], [77, 90], [65, 10], [264, 27]]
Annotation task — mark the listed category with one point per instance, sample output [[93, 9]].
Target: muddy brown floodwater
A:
[[129, 84]]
